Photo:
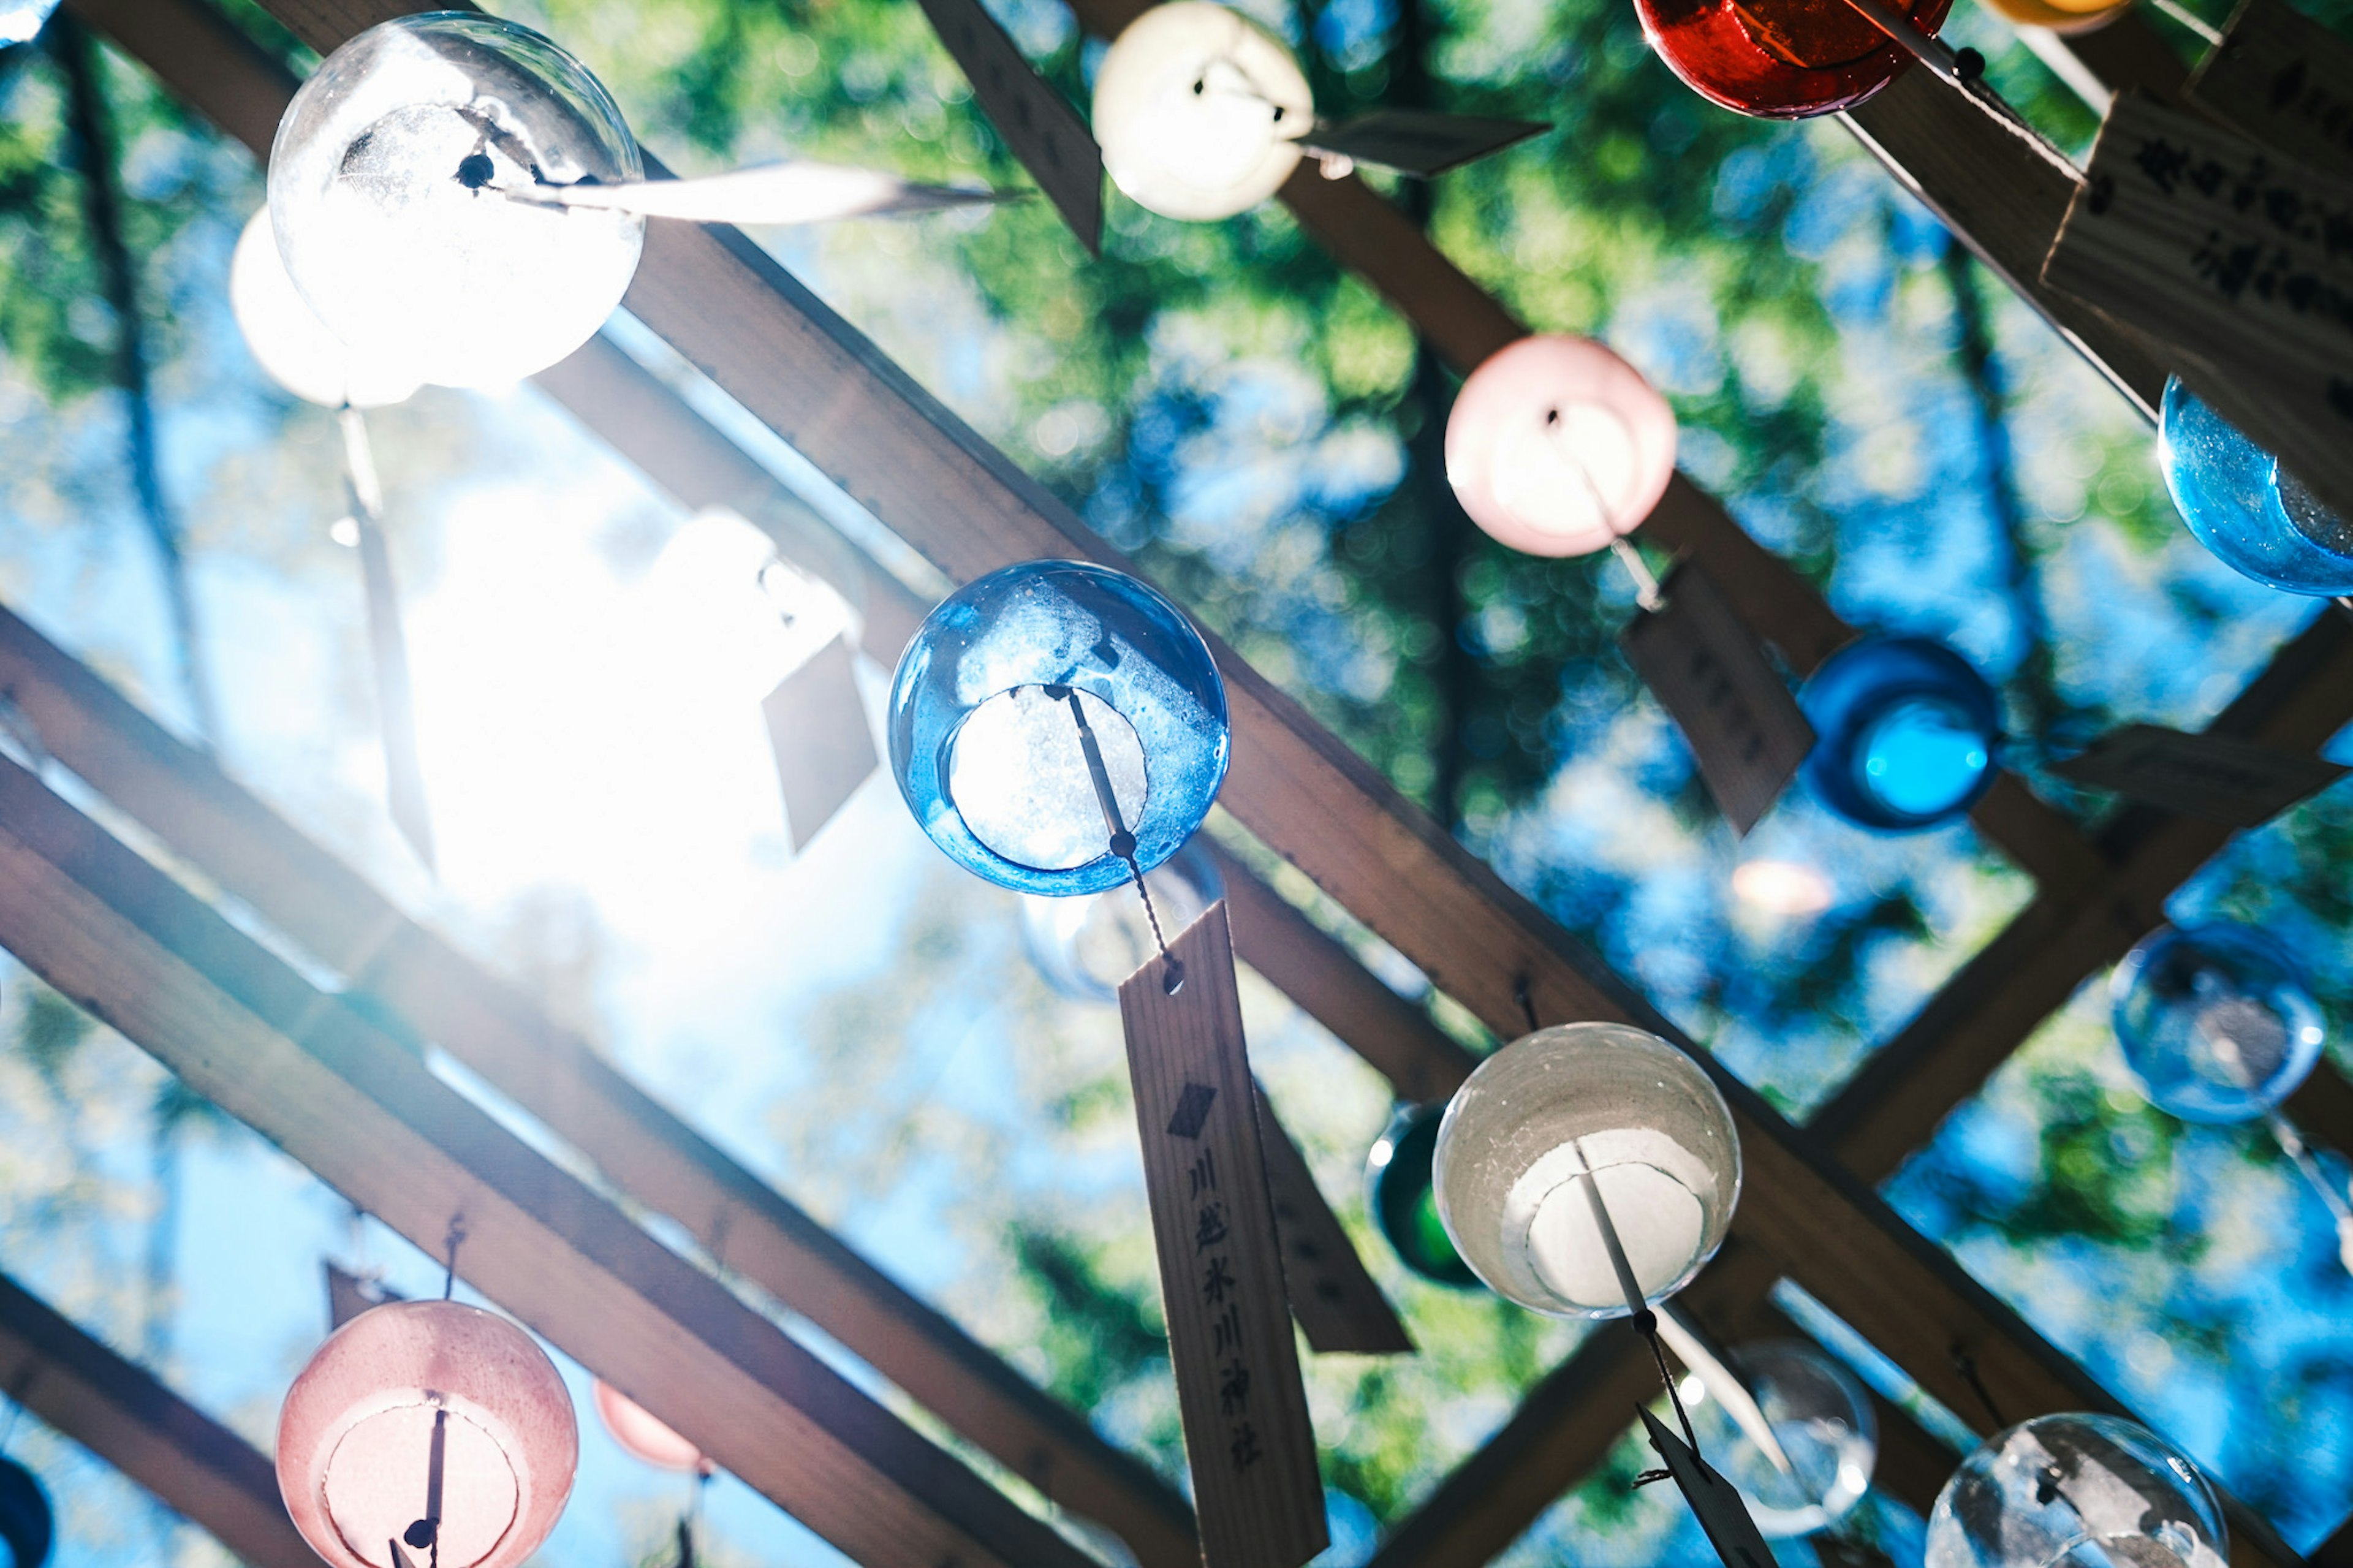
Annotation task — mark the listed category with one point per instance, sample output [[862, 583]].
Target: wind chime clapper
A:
[[2218, 1025], [1714, 1501], [1060, 728]]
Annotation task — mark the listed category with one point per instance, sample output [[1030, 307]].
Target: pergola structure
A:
[[335, 1074]]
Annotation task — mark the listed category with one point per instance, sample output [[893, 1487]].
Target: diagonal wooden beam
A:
[[1894, 1104], [118, 1410], [2124, 50], [813, 379], [741, 320], [345, 924], [315, 1076]]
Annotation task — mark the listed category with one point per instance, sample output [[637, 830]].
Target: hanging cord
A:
[[1123, 842], [1646, 1322], [1967, 1365], [451, 1242], [691, 1519], [1646, 585], [1521, 995], [2292, 1142]]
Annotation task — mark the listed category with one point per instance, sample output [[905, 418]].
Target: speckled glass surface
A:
[[2239, 503], [1100, 634], [1820, 1415], [2215, 1021], [1527, 1126], [2088, 1491], [1905, 730], [384, 194]]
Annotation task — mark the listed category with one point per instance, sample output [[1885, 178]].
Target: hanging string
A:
[[451, 1243], [2339, 1208], [1123, 842], [1520, 994], [1646, 1322], [1646, 585], [1967, 1365]]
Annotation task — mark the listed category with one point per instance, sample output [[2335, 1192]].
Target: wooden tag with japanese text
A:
[[1039, 125], [2242, 260], [1247, 1437], [816, 727], [2240, 784], [2285, 80], [1339, 1308], [1710, 673]]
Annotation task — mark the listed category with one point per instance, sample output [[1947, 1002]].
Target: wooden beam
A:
[[313, 1075], [1894, 1104], [208, 63], [119, 1411], [1422, 1061], [1561, 1429], [2125, 51], [813, 379], [747, 1226]]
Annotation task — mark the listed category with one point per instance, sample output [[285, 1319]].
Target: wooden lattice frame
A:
[[699, 288]]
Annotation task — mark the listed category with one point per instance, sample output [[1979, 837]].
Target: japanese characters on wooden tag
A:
[[1247, 1437], [1037, 123], [1339, 1308], [2285, 80], [816, 727], [2240, 784], [2239, 259], [1712, 675]]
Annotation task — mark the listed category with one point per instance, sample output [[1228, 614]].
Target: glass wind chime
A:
[[1587, 1171], [458, 197], [1201, 113], [2218, 1026], [2076, 1490], [426, 1435], [1060, 728]]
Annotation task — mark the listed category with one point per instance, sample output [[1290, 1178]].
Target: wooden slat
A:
[[2001, 193], [123, 940], [1422, 1061], [760, 335], [1340, 1310], [2124, 52], [349, 926], [198, 54], [187, 1461], [1969, 1027], [1247, 1441]]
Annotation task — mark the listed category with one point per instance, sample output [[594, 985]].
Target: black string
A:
[[1965, 1365], [1527, 1003], [457, 1235], [1123, 842]]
